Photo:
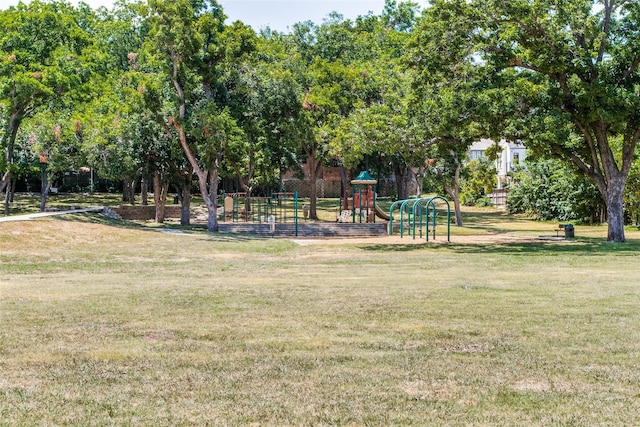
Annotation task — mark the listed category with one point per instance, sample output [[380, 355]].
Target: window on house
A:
[[476, 154]]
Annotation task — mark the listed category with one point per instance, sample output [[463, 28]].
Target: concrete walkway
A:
[[28, 217]]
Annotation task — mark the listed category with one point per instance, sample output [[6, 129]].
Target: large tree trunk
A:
[[344, 181], [611, 188], [454, 189], [607, 175], [614, 199], [315, 166], [45, 186], [183, 178], [454, 194], [207, 180], [160, 189], [144, 191], [185, 204], [129, 190], [7, 196], [9, 140], [211, 200], [616, 179], [401, 188]]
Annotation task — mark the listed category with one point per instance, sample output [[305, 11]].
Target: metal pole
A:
[[374, 202], [295, 214], [353, 203]]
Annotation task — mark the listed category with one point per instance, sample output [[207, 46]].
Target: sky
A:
[[280, 15]]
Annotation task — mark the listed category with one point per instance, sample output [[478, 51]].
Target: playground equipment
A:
[[279, 207], [419, 214], [363, 203], [381, 213]]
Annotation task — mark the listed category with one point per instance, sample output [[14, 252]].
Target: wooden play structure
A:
[[360, 204]]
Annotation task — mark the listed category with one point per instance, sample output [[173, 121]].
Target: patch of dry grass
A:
[[104, 323]]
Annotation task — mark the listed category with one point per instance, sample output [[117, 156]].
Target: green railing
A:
[[277, 208], [419, 214]]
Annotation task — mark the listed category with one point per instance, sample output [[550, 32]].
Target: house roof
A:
[[485, 143]]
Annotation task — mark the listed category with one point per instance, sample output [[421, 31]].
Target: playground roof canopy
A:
[[364, 178]]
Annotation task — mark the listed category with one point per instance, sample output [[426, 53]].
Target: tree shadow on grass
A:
[[96, 218], [578, 247], [194, 230], [583, 245]]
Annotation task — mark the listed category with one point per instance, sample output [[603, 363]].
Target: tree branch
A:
[[608, 8], [588, 170], [628, 148], [632, 68], [589, 139]]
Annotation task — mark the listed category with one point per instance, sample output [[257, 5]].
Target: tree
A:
[[577, 64], [479, 179], [448, 82], [264, 101], [151, 140], [334, 90], [129, 138], [261, 93], [379, 131], [400, 17], [353, 81], [186, 36], [385, 137], [41, 60], [632, 195], [55, 148], [92, 110], [107, 146]]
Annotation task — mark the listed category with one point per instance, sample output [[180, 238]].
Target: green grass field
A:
[[111, 323]]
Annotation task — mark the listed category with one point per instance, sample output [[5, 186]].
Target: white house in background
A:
[[512, 154]]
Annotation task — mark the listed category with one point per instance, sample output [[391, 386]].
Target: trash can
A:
[[568, 231]]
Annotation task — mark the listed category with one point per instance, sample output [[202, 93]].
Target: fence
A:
[[281, 207]]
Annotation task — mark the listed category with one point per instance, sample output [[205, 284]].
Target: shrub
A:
[[479, 179], [549, 190], [484, 202]]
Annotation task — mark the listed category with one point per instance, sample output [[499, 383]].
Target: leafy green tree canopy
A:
[[576, 67], [43, 56]]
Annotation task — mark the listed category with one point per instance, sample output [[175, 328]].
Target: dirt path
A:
[[29, 217]]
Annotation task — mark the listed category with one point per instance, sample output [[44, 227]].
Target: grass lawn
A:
[[111, 323]]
